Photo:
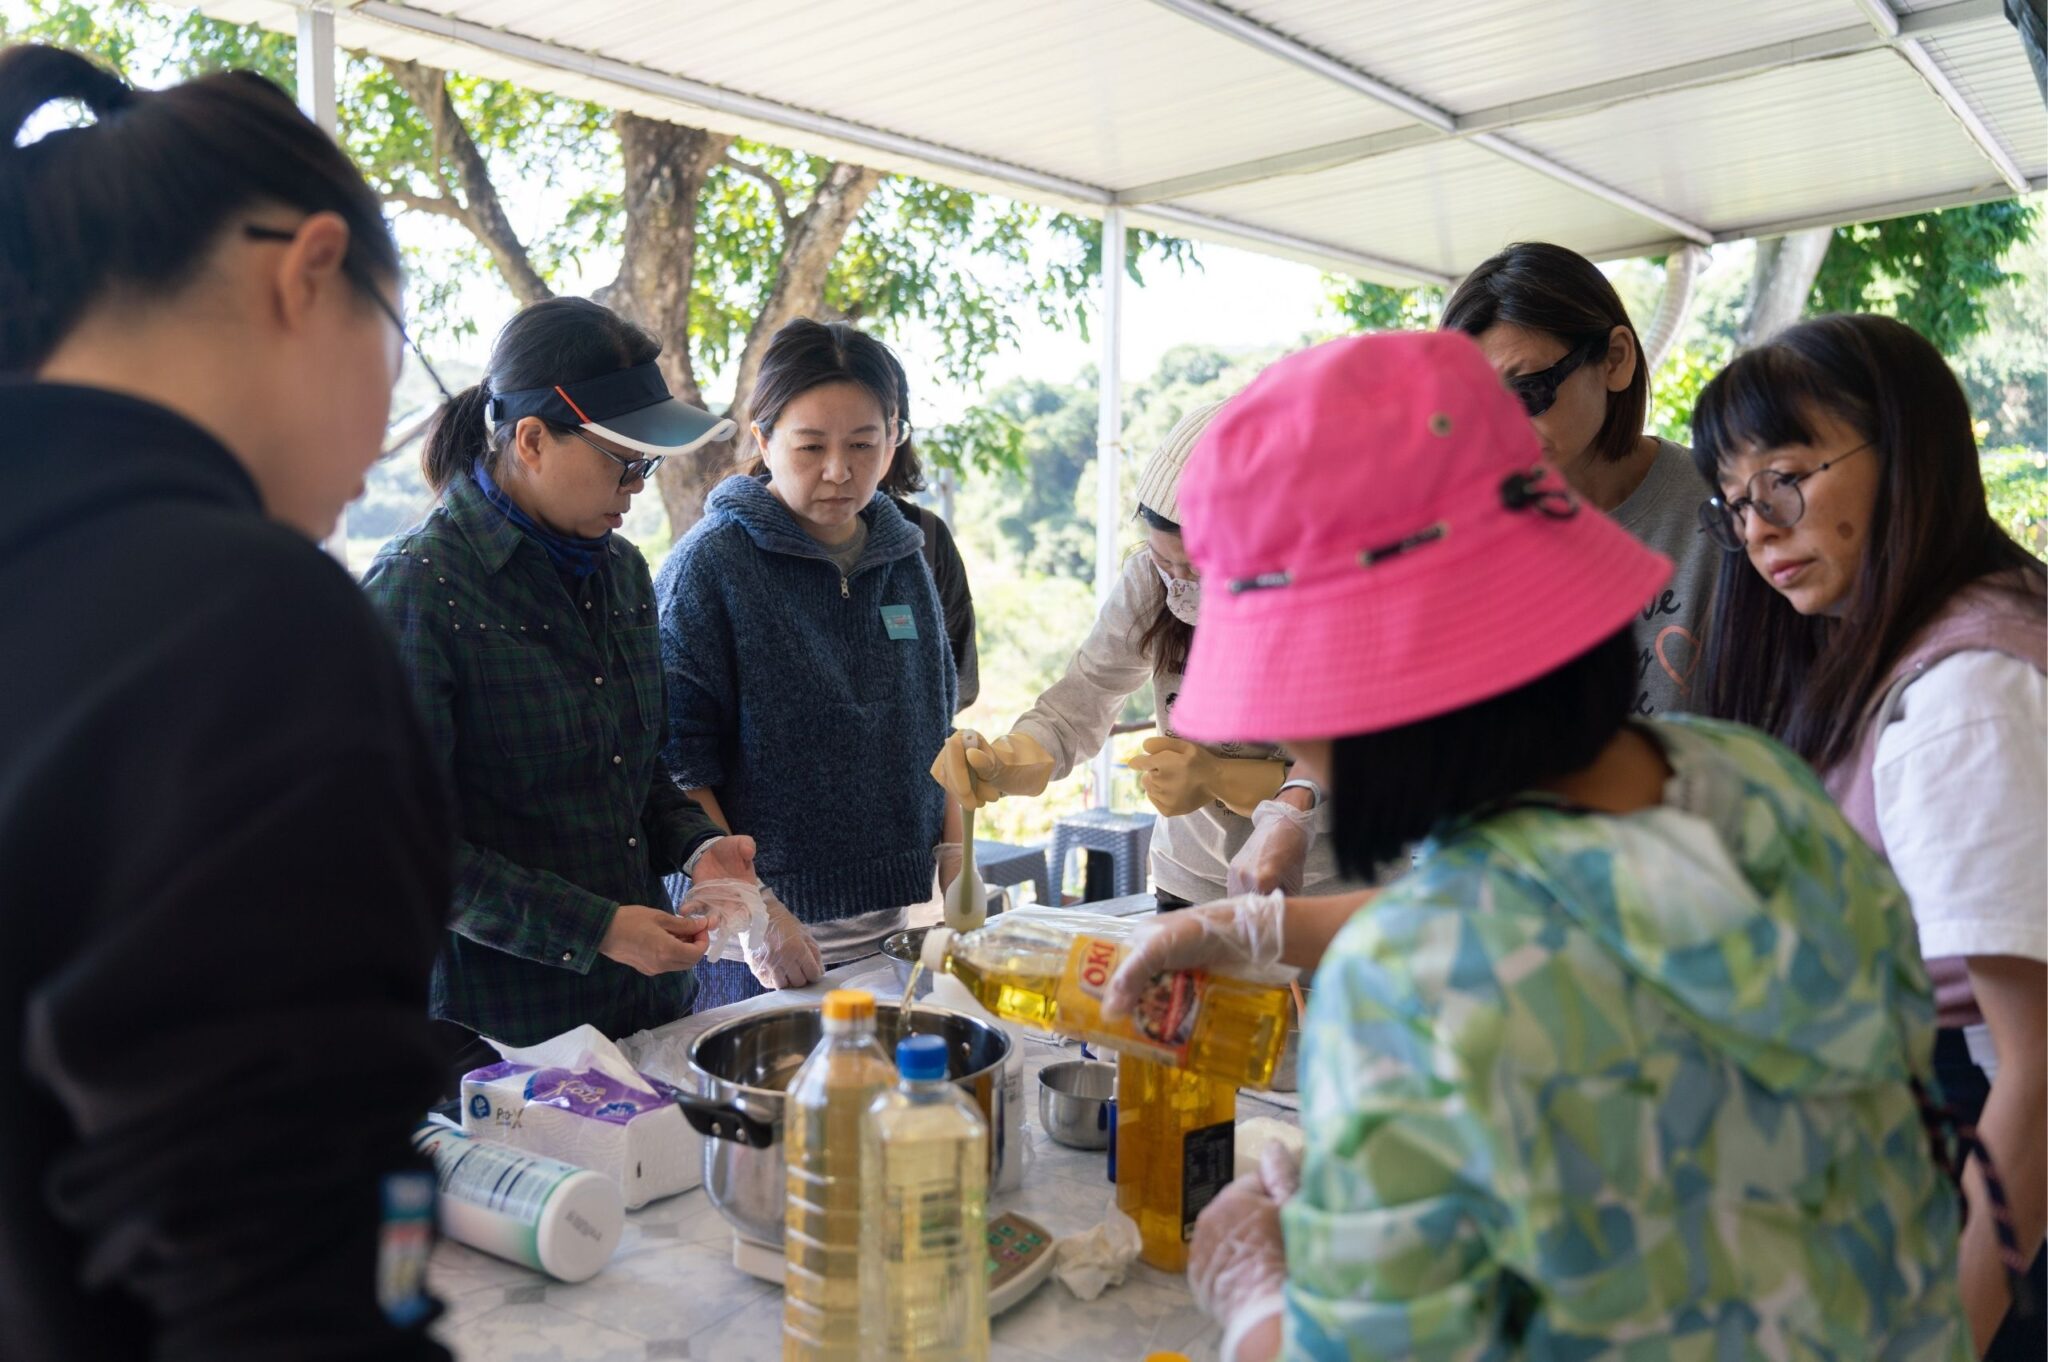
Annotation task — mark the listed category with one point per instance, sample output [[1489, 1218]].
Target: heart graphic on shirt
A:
[[1688, 650]]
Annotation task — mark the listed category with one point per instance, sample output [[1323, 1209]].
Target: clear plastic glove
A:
[[1275, 856], [782, 954], [1237, 1261], [1240, 936], [951, 857], [978, 772], [726, 857], [729, 910]]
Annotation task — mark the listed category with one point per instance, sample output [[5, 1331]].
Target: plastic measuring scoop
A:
[[966, 905]]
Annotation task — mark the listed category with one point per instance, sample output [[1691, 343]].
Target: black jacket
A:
[[224, 866], [942, 556]]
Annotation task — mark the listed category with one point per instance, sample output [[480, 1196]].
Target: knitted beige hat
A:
[[1159, 487]]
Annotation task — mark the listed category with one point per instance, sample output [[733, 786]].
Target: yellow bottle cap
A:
[[1166, 1357], [849, 1004]]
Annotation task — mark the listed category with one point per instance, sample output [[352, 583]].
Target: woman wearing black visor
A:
[[527, 626]]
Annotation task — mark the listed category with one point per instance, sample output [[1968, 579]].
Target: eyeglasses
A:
[[256, 233], [630, 469], [1538, 391], [1775, 496]]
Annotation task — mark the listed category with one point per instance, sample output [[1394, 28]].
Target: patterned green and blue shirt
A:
[[542, 693], [1590, 1087]]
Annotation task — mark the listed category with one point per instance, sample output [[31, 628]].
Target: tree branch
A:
[[481, 211], [774, 186], [426, 203], [807, 253]]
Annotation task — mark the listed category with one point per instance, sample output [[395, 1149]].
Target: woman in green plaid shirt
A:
[[527, 627]]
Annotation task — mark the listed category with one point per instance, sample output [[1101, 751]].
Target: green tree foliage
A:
[[1933, 271]]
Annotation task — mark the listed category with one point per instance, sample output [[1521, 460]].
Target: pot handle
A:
[[727, 1121]]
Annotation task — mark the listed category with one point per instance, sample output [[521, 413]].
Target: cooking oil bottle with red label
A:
[[1176, 1149], [828, 1100], [1049, 971]]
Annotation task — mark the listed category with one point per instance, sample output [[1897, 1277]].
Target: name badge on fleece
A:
[[898, 620]]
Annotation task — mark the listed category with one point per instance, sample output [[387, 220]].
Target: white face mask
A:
[[1183, 598]]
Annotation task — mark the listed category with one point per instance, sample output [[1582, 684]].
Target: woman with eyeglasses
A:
[[809, 676], [223, 842], [1878, 620], [526, 623], [1556, 332]]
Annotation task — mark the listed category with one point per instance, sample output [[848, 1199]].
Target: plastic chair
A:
[[1001, 864], [1126, 838]]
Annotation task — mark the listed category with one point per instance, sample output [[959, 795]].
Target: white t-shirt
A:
[[1962, 800]]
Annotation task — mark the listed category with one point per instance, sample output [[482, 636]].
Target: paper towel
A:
[[575, 1098], [1094, 1259]]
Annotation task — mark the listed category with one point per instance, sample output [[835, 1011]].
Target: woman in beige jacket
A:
[[1230, 818]]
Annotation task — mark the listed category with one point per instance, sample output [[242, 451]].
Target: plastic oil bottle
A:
[[1176, 1148], [828, 1099], [1049, 971], [924, 1260]]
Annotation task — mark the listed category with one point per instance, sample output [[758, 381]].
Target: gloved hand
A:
[[951, 858], [976, 771], [1240, 936], [1179, 777], [782, 954], [729, 910], [1275, 856], [1237, 1261], [726, 857]]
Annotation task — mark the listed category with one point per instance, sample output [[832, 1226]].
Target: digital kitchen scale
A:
[[1020, 1254]]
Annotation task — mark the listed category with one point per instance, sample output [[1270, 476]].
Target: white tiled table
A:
[[671, 1290]]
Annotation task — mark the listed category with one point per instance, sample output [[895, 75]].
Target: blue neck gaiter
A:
[[577, 557]]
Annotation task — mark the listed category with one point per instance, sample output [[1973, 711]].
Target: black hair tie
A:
[[1524, 490]]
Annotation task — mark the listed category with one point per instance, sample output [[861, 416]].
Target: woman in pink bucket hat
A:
[[1628, 1063]]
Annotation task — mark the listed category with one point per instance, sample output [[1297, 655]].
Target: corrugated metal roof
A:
[[1379, 137]]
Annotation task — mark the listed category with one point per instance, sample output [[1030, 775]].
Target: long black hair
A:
[[558, 340], [1392, 788], [1808, 680], [808, 354], [1541, 287], [905, 478], [136, 200]]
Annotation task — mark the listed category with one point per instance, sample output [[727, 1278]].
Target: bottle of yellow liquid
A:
[[828, 1099], [1049, 971], [924, 1259], [1176, 1149]]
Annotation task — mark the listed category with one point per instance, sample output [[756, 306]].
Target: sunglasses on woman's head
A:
[[1538, 391]]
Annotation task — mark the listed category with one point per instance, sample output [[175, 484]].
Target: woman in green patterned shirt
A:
[[1627, 1065]]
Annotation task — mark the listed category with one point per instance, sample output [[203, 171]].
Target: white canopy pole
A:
[[316, 98], [1109, 433]]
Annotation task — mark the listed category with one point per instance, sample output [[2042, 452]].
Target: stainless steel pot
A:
[[745, 1066]]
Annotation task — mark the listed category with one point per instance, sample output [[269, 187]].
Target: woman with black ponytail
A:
[[223, 845], [528, 628]]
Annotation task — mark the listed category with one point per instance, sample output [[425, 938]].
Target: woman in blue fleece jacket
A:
[[808, 673]]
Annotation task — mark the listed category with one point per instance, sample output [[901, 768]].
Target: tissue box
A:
[[639, 1140]]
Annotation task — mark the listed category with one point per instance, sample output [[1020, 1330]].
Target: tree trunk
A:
[[1786, 267], [799, 289], [666, 166], [1681, 271]]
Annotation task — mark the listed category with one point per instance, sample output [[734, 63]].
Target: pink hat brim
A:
[[1426, 633]]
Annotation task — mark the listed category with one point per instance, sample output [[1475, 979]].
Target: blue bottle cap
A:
[[919, 1058]]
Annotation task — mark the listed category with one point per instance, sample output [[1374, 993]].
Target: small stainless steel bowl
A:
[[902, 949], [1073, 1102]]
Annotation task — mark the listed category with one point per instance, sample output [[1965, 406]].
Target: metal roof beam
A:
[[795, 120], [1892, 25], [721, 100], [1584, 99], [1299, 54], [1343, 256]]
